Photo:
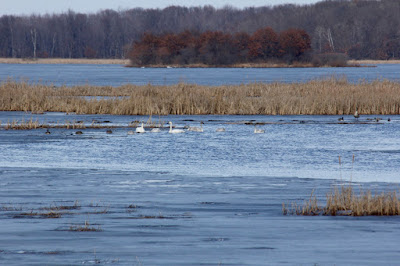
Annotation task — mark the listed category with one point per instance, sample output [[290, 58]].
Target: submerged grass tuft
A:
[[46, 215], [85, 228]]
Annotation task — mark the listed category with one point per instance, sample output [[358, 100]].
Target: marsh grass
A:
[[309, 208], [23, 125], [344, 200], [76, 206], [45, 215], [332, 96], [152, 217], [63, 61], [29, 125], [374, 62], [85, 228]]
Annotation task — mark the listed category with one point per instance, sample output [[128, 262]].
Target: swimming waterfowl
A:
[[258, 131], [356, 115], [174, 131], [140, 129], [197, 129], [220, 129]]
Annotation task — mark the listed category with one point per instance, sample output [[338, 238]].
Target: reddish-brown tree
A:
[[293, 43], [241, 43], [216, 48], [144, 52], [219, 48], [263, 44]]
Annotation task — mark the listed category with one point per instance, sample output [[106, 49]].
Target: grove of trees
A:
[[218, 48], [359, 28]]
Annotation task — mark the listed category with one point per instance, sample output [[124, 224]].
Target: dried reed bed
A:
[[374, 62], [333, 96], [35, 124], [64, 61], [344, 201]]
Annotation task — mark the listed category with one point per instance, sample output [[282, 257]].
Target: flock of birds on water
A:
[[141, 129]]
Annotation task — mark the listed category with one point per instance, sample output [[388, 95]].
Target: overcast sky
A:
[[17, 7]]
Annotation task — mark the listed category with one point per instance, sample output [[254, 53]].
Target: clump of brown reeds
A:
[[23, 125], [332, 96], [310, 207], [46, 215], [85, 228], [75, 206], [344, 201]]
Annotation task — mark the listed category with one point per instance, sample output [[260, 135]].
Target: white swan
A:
[[131, 132], [175, 131], [258, 131], [356, 115], [220, 129], [197, 129], [140, 129], [156, 130]]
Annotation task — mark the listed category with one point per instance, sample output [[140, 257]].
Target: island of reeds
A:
[[331, 96], [344, 200]]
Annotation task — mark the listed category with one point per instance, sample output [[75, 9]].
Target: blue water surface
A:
[[115, 75]]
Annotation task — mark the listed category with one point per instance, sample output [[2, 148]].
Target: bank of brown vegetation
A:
[[69, 61], [319, 97]]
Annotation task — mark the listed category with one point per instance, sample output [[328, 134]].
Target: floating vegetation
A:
[[76, 206], [46, 215], [85, 228]]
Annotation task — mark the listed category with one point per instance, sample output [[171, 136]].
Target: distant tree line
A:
[[218, 48], [359, 28]]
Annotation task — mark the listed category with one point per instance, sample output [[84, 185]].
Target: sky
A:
[[27, 7]]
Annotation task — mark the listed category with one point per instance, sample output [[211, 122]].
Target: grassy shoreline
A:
[[318, 97], [64, 61], [126, 62], [374, 62]]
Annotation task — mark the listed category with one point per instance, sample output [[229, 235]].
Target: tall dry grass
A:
[[373, 62], [345, 201], [318, 97], [64, 61]]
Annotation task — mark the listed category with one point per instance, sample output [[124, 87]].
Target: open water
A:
[[115, 75], [211, 198], [195, 198]]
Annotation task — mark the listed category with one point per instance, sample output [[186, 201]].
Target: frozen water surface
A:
[[194, 198]]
